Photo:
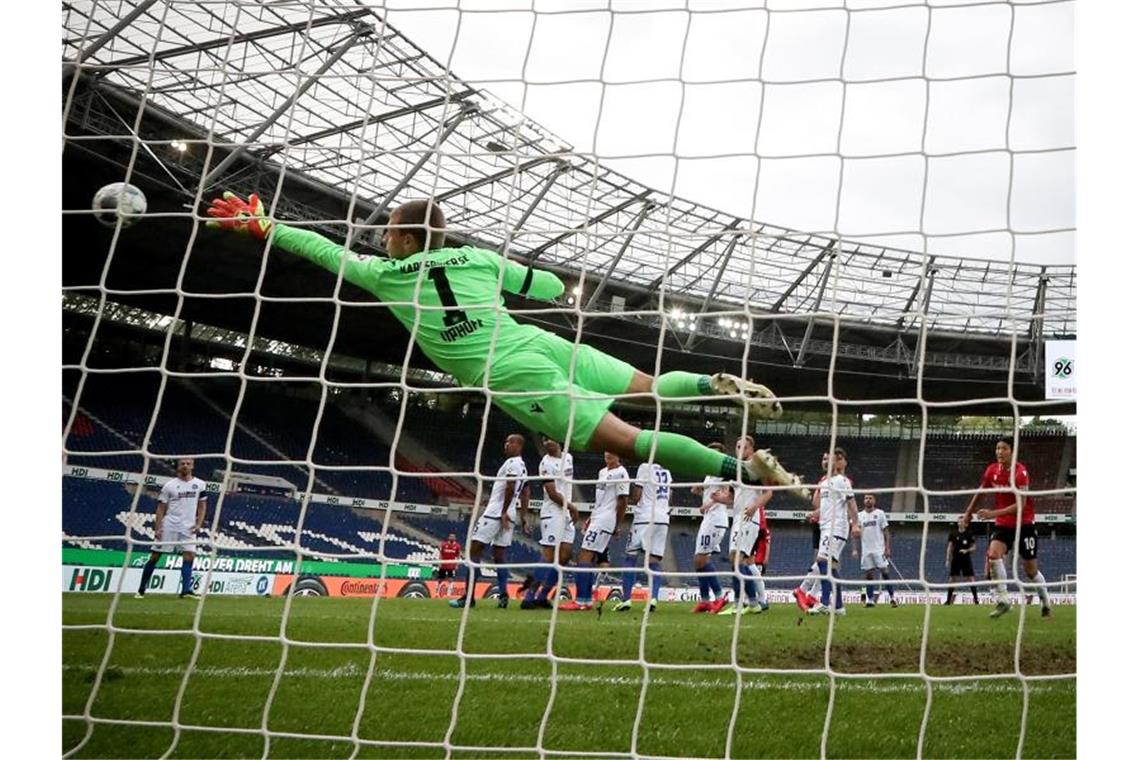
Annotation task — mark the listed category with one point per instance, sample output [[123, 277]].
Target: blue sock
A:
[[550, 584], [714, 580], [703, 582], [749, 584], [187, 568], [530, 591], [585, 587], [735, 588], [503, 575], [655, 580], [824, 583], [628, 578]]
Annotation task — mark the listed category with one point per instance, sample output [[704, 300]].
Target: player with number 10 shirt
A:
[[1007, 533]]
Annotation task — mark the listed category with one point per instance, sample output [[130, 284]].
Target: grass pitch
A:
[[877, 699]]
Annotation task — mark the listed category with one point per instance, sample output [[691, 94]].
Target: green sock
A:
[[680, 384], [682, 455]]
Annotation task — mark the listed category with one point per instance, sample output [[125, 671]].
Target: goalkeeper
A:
[[450, 300]]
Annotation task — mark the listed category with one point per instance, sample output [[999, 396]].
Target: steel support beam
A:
[[525, 166], [198, 47], [815, 307], [928, 282], [725, 258], [360, 30], [367, 122], [535, 253], [629, 233], [107, 36], [914, 293], [1037, 325], [649, 289], [382, 205], [559, 169], [803, 275], [929, 291]]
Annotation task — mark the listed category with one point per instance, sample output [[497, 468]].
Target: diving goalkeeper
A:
[[450, 300]]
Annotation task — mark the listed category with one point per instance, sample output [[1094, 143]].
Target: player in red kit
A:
[[449, 553], [764, 543], [1005, 533]]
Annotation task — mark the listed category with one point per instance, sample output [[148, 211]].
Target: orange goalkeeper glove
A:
[[230, 212]]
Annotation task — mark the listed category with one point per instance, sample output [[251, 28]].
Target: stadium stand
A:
[[194, 417], [94, 508]]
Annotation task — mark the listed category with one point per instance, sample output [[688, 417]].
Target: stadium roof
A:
[[332, 93]]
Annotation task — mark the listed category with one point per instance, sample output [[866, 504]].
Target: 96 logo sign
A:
[[1063, 367]]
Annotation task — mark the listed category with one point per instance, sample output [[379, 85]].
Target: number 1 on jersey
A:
[[452, 314]]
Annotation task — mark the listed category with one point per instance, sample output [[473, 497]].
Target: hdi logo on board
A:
[[90, 579]]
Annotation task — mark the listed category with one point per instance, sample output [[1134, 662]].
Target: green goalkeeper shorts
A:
[[553, 404]]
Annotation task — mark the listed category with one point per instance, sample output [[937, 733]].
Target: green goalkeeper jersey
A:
[[454, 293]]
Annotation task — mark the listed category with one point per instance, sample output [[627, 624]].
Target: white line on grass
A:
[[758, 684]]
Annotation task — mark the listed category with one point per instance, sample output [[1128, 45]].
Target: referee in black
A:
[[960, 559]]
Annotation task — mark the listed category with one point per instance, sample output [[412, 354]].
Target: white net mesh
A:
[[919, 156]]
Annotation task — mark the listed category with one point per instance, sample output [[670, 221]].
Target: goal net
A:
[[865, 206]]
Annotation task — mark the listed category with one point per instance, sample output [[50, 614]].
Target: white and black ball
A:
[[118, 201]]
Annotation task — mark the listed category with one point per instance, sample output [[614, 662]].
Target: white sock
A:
[[810, 581], [761, 591], [997, 567], [1042, 592]]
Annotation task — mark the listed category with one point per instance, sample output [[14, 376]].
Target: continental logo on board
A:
[[362, 587]]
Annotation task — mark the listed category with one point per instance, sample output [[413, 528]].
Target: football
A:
[[118, 201]]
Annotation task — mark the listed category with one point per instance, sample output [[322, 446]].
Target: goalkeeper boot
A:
[[763, 467], [622, 606], [1002, 608], [761, 402], [702, 606], [802, 599], [717, 605], [575, 606]]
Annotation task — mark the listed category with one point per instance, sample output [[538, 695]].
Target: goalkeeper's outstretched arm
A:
[[230, 212]]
